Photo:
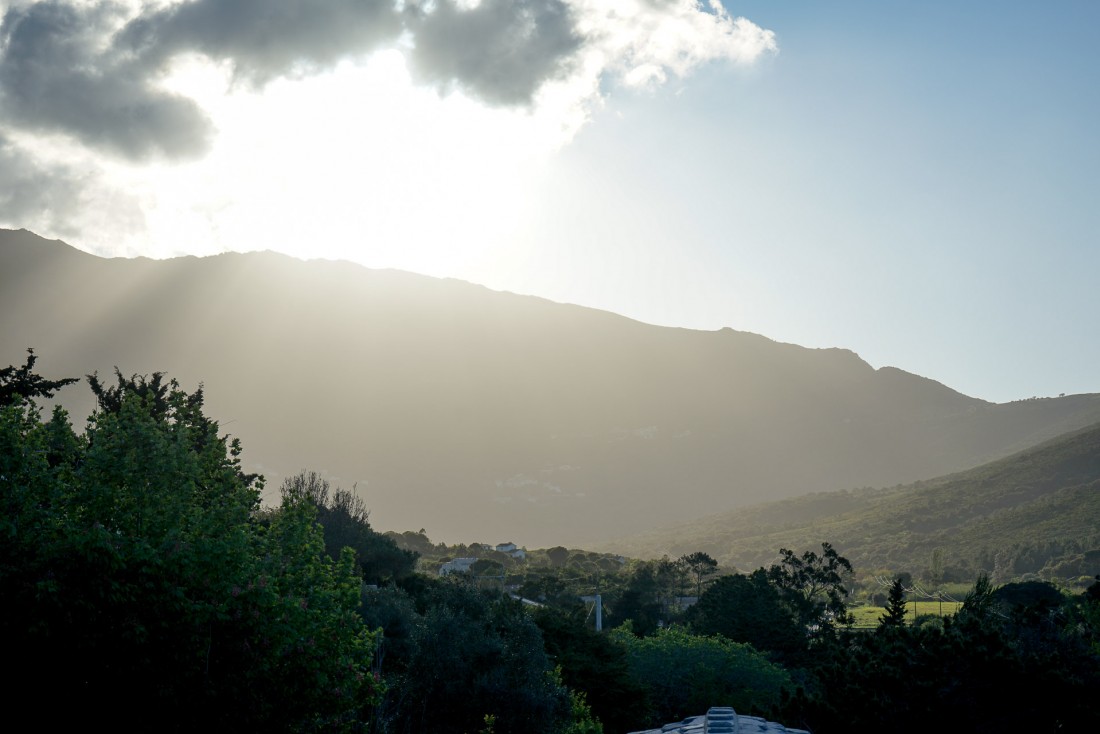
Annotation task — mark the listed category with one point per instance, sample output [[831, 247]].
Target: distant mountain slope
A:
[[1039, 507], [479, 414]]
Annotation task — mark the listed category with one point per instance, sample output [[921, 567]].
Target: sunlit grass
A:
[[869, 616]]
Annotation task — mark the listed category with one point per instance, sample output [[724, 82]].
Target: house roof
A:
[[723, 720]]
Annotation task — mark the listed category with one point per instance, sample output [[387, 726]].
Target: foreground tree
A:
[[24, 383], [138, 580]]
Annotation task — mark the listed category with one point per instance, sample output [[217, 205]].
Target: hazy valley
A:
[[1036, 512], [480, 414]]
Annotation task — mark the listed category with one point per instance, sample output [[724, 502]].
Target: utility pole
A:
[[599, 605]]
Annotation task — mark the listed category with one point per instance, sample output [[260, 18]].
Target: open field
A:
[[868, 616]]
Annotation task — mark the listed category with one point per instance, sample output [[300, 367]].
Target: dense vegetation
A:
[[143, 579]]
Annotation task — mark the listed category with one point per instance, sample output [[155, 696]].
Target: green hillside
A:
[[1037, 511]]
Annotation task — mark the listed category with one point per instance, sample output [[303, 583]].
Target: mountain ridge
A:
[[473, 412]]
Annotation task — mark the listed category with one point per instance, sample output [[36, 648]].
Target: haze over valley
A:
[[478, 414]]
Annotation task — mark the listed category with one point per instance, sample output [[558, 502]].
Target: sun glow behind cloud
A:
[[356, 161], [409, 141]]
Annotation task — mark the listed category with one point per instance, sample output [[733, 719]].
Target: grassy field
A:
[[869, 616]]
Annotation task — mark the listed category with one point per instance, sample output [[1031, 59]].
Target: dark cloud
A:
[[502, 50], [265, 39], [59, 73], [91, 71]]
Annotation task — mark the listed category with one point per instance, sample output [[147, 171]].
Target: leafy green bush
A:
[[685, 674]]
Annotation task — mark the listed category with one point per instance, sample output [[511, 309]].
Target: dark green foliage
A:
[[558, 555], [24, 383], [137, 581], [749, 609], [418, 542], [473, 656], [392, 610], [1093, 591], [640, 602], [551, 589], [701, 566], [686, 674], [344, 517], [152, 391], [1032, 596], [895, 606], [595, 663], [981, 671], [978, 603], [649, 597], [813, 586]]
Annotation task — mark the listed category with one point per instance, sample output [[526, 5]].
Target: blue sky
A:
[[917, 182]]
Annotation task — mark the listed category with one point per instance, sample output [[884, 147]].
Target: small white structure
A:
[[458, 565], [512, 550]]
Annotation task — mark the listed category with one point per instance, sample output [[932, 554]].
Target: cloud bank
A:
[[91, 72]]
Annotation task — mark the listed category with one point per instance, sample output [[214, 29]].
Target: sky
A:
[[916, 182]]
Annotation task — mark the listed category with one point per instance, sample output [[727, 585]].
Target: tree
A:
[[979, 601], [749, 609], [475, 655], [895, 606], [686, 674], [701, 566], [557, 555], [639, 601], [137, 578], [813, 585], [596, 664], [345, 521], [24, 383], [963, 672], [936, 566]]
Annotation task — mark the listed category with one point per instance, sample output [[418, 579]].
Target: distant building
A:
[[512, 550], [458, 565]]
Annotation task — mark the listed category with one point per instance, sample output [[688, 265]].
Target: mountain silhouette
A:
[[481, 415]]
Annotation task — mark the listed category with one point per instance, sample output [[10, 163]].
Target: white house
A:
[[458, 565], [512, 550]]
